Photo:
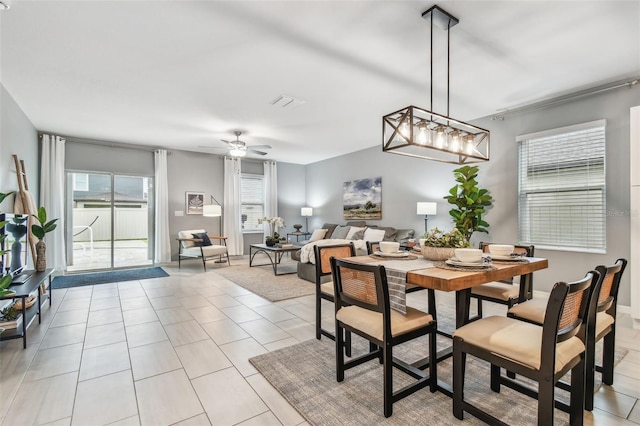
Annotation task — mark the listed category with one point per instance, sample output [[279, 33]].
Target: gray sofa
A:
[[307, 271]]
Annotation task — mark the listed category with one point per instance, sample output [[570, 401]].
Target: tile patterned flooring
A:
[[175, 350]]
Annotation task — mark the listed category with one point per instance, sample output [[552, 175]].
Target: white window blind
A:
[[252, 197], [561, 184]]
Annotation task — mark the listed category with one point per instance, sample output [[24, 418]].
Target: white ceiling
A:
[[184, 74]]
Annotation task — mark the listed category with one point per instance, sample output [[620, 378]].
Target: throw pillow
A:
[[329, 227], [371, 234], [340, 233], [352, 233], [318, 234], [205, 239]]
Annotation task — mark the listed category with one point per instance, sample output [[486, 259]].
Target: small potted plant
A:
[[39, 231], [274, 223], [439, 245], [10, 317]]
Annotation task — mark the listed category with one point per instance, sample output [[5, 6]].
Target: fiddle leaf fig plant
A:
[[40, 230], [469, 202]]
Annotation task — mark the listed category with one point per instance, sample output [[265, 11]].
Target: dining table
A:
[[461, 281]]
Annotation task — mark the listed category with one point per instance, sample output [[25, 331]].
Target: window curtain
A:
[[162, 248], [52, 197], [232, 206], [270, 193]]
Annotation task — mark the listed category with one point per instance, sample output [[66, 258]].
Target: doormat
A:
[[78, 280]]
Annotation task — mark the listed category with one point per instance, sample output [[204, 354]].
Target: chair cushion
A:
[[189, 235], [327, 288], [208, 251], [497, 290], [370, 322], [204, 237], [603, 320], [532, 310], [516, 340]]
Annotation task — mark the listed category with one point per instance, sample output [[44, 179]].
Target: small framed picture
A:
[[194, 202]]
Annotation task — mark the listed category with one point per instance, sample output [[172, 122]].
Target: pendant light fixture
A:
[[421, 133]]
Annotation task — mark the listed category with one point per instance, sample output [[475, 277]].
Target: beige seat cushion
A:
[[327, 288], [603, 320], [532, 310], [516, 340], [370, 322], [495, 290], [208, 251]]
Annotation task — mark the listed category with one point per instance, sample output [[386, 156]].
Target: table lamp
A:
[[306, 212], [427, 208]]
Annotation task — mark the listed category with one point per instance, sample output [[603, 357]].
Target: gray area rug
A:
[[261, 280], [305, 375]]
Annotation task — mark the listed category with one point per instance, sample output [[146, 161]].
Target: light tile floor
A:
[[175, 350]]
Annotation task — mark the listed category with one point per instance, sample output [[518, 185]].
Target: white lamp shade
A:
[[306, 211], [212, 210], [427, 208]]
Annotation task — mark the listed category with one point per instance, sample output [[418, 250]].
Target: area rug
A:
[[78, 280], [261, 280], [305, 375]]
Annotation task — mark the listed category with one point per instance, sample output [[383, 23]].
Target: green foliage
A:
[[5, 281], [452, 239], [44, 227], [469, 201], [9, 313], [4, 222]]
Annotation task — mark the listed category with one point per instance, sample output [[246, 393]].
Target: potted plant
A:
[[5, 280], [10, 317], [470, 202], [39, 231], [274, 223], [439, 245]]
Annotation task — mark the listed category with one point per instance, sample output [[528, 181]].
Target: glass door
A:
[[108, 221]]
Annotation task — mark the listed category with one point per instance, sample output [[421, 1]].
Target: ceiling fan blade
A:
[[261, 146], [257, 152], [213, 147], [227, 142]]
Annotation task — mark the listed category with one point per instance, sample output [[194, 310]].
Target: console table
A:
[[23, 291], [298, 234]]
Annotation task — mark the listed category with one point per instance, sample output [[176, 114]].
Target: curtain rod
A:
[[566, 98]]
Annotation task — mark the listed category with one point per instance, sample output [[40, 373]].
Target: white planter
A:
[[7, 325], [438, 253]]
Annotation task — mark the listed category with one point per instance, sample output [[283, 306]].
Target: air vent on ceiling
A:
[[283, 101]]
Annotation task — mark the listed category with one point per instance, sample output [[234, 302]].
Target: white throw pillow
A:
[[372, 234], [318, 234], [352, 232]]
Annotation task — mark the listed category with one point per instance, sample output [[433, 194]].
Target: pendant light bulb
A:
[[440, 137], [424, 135]]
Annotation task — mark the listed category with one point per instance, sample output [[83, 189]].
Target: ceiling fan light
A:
[[237, 152]]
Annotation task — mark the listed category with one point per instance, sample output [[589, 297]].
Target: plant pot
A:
[[41, 256], [270, 242], [438, 253]]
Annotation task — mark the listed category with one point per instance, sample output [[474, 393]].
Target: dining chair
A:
[[543, 354], [504, 292], [601, 325], [362, 307], [325, 291]]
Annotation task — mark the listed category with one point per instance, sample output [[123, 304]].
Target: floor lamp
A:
[[306, 212], [427, 208], [214, 210]]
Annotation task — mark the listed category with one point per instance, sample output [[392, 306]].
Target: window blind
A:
[[252, 207], [561, 185]]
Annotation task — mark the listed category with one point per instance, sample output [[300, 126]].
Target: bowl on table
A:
[[468, 255], [389, 247], [501, 249]]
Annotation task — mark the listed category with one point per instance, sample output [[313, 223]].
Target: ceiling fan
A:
[[239, 148]]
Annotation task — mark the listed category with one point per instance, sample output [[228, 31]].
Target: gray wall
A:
[[406, 181], [17, 136]]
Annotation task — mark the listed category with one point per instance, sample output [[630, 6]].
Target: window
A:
[[80, 181], [252, 208], [561, 184]]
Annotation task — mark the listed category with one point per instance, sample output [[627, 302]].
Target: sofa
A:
[[336, 234]]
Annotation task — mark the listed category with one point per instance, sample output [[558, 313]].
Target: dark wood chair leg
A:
[[590, 372], [388, 381], [576, 414], [339, 353], [546, 402], [318, 314], [347, 340], [459, 360], [608, 356], [433, 363], [495, 378]]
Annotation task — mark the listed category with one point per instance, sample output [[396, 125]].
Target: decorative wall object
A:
[[194, 202], [363, 199]]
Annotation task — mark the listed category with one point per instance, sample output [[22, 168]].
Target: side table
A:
[[298, 235]]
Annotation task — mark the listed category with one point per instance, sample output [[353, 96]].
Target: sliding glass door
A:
[[109, 221]]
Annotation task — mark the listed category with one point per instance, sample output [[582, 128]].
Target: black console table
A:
[[23, 291]]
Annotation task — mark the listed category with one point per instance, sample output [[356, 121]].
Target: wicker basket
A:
[[29, 302], [438, 253]]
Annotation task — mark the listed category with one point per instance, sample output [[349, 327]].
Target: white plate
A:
[[455, 262], [515, 258], [393, 254]]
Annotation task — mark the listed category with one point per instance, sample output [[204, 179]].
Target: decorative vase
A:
[[16, 260], [41, 258], [297, 227], [438, 253]]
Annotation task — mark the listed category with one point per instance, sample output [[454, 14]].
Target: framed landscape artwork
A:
[[194, 202], [362, 199]]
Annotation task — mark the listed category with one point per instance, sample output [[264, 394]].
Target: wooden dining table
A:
[[461, 281]]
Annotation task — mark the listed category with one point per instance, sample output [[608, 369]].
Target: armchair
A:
[[196, 244]]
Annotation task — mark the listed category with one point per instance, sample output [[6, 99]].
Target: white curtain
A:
[[270, 192], [52, 197], [162, 249], [232, 206]]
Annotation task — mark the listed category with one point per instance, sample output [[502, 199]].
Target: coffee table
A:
[[275, 260]]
